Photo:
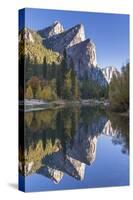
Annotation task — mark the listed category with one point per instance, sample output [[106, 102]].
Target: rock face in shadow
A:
[[82, 56], [65, 39]]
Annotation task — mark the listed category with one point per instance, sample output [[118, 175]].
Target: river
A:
[[74, 147]]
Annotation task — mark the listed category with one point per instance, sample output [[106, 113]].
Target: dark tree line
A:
[[58, 81], [119, 90]]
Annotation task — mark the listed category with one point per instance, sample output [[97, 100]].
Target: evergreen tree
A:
[[67, 85], [61, 70], [74, 85], [44, 67], [53, 85], [119, 90], [35, 70], [28, 68]]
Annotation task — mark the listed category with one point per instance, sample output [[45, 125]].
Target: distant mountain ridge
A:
[[109, 72]]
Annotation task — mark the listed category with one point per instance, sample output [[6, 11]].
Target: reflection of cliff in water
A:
[[64, 141]]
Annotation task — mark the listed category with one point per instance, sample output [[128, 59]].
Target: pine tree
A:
[[67, 85], [36, 67], [74, 85], [28, 68], [119, 90], [44, 67], [61, 69]]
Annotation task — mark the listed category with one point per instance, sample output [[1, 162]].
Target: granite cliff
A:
[[80, 52], [58, 39], [54, 41], [52, 30]]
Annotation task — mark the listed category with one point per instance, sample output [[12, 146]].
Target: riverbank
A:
[[36, 105]]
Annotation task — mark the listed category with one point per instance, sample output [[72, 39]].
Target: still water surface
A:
[[75, 147]]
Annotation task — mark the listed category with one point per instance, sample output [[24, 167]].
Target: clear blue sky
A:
[[109, 32]]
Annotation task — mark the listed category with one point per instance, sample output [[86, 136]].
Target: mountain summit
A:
[[80, 52], [54, 42], [58, 39], [52, 30]]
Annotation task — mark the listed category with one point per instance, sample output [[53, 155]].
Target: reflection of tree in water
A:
[[120, 124], [45, 133], [41, 119], [58, 141]]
